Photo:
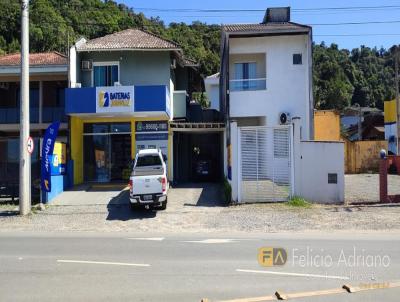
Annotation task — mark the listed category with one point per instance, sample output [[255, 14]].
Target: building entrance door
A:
[[107, 152]]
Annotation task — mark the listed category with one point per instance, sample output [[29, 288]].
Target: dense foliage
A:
[[341, 77]]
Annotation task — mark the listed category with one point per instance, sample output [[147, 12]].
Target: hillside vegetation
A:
[[341, 77]]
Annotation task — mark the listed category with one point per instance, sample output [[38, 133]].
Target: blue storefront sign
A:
[[47, 152], [152, 135]]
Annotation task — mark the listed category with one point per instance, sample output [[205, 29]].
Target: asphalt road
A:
[[159, 267]]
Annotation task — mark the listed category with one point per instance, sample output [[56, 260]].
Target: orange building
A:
[[326, 125]]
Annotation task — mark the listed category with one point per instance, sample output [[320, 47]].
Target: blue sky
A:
[[378, 34]]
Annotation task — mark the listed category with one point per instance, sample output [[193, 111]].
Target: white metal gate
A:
[[265, 163]]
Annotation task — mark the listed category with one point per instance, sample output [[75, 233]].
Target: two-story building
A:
[[48, 75], [265, 92], [265, 74], [125, 88]]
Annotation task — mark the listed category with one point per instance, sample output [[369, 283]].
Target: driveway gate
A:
[[265, 156]]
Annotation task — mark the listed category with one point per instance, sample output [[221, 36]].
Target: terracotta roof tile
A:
[[44, 58], [128, 39]]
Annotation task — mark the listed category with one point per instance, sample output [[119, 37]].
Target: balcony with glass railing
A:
[[248, 84], [49, 115], [12, 115], [46, 102]]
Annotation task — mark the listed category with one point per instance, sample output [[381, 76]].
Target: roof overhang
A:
[[41, 69], [128, 49], [289, 32]]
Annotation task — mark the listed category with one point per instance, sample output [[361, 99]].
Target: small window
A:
[[297, 59], [332, 178]]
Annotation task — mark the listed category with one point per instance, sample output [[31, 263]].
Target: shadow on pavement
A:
[[119, 209], [99, 187], [211, 194]]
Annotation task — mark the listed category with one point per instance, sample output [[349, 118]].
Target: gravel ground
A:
[[365, 187], [198, 210]]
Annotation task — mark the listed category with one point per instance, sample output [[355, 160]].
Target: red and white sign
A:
[[30, 145]]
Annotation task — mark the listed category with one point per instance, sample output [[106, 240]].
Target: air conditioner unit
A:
[[117, 84], [173, 64], [284, 118], [87, 65], [78, 85]]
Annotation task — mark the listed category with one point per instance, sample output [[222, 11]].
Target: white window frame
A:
[[105, 63], [257, 66], [244, 62]]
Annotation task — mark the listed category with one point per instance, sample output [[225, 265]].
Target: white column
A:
[[235, 162], [297, 156]]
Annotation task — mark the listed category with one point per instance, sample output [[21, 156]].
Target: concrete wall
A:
[[326, 125], [179, 104], [313, 161], [136, 67], [288, 85], [213, 96], [363, 156]]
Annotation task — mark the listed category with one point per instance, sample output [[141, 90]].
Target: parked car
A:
[[203, 170], [148, 181]]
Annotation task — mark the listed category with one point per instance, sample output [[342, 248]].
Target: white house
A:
[[265, 93]]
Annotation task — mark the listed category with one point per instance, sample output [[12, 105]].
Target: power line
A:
[[157, 25], [355, 35], [200, 10], [355, 23]]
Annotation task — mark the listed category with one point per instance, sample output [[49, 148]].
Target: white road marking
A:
[[102, 262], [293, 274], [210, 241], [148, 238]]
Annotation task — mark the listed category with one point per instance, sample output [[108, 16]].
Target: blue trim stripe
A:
[[150, 98], [80, 100]]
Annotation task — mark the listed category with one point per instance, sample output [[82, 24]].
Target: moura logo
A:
[[272, 256]]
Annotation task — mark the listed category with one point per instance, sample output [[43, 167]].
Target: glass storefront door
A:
[[107, 152]]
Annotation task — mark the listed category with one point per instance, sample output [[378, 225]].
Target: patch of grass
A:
[[298, 202], [227, 191]]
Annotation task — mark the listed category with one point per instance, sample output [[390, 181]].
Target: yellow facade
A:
[[77, 139], [326, 125], [390, 112]]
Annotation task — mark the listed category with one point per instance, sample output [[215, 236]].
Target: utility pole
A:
[[25, 158], [359, 121], [396, 79]]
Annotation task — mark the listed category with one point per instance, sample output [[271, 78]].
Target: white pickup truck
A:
[[148, 182]]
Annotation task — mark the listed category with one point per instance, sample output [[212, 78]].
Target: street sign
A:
[[30, 145]]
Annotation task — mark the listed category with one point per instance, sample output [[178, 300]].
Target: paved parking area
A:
[[199, 208]]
